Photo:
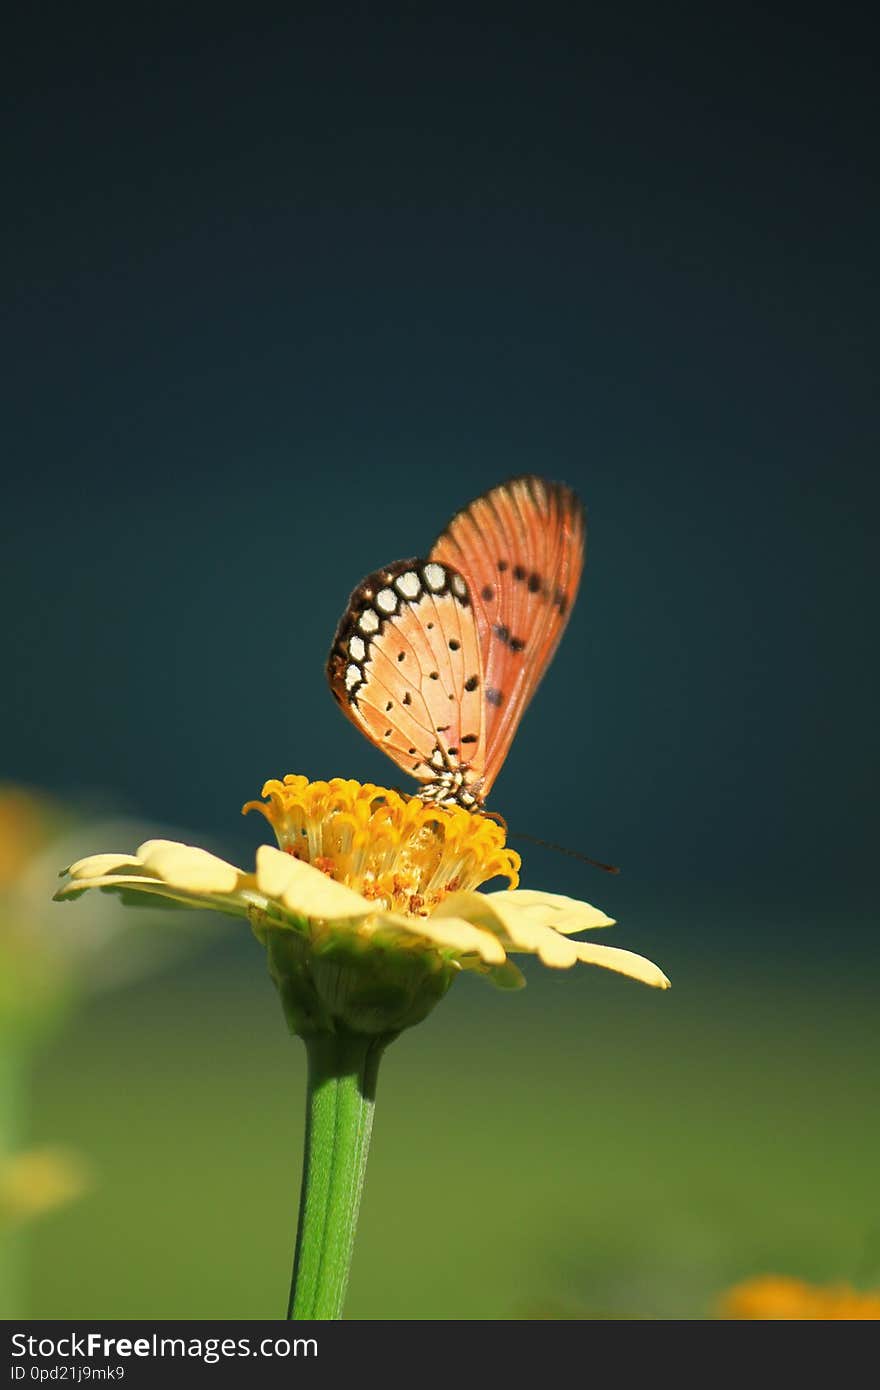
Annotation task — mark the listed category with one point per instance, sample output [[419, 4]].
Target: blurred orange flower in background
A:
[[775, 1297]]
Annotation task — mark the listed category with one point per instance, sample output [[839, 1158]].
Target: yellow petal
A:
[[623, 962], [304, 890], [507, 976], [566, 915], [232, 903], [519, 933], [184, 866], [473, 907], [97, 865], [76, 886], [449, 933], [489, 911]]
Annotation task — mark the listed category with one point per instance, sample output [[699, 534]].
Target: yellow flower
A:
[[26, 823], [36, 1181], [774, 1297], [369, 908], [44, 972]]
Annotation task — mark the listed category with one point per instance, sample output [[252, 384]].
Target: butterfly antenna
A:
[[563, 849], [533, 839]]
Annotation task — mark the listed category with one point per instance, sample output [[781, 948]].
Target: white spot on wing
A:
[[352, 676], [386, 601], [408, 584], [458, 586], [357, 648], [369, 621], [435, 577]]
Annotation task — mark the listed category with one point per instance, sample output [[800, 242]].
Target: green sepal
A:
[[346, 984]]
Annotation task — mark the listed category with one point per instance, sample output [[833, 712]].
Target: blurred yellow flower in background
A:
[[775, 1297], [32, 981], [39, 1180], [44, 974], [42, 970]]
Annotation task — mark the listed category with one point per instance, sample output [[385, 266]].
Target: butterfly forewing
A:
[[406, 668], [520, 550]]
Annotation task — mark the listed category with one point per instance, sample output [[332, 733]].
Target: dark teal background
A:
[[291, 285], [289, 291]]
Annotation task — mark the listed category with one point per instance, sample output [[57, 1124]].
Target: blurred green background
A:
[[287, 290], [586, 1148]]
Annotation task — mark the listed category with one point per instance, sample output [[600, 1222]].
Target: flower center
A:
[[400, 851]]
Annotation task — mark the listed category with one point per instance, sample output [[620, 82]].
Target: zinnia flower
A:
[[366, 888], [775, 1297], [368, 910]]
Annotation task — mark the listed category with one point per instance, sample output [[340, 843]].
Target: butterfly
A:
[[436, 659]]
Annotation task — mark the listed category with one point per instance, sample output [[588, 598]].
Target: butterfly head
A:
[[454, 787]]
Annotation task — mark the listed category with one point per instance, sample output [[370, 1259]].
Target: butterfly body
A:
[[436, 659]]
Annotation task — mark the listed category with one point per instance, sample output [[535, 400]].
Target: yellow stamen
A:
[[398, 851]]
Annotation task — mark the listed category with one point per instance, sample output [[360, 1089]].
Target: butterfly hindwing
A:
[[406, 668], [520, 550]]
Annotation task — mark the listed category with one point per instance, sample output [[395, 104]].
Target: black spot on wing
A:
[[516, 644]]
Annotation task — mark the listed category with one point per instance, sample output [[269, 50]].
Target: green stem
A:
[[339, 1118]]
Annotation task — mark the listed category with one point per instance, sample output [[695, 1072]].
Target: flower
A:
[[44, 972], [36, 1181], [368, 907], [775, 1297]]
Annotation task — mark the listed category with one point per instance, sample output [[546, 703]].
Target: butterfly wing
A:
[[405, 667], [520, 549]]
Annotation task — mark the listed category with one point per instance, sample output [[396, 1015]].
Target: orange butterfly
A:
[[437, 659]]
